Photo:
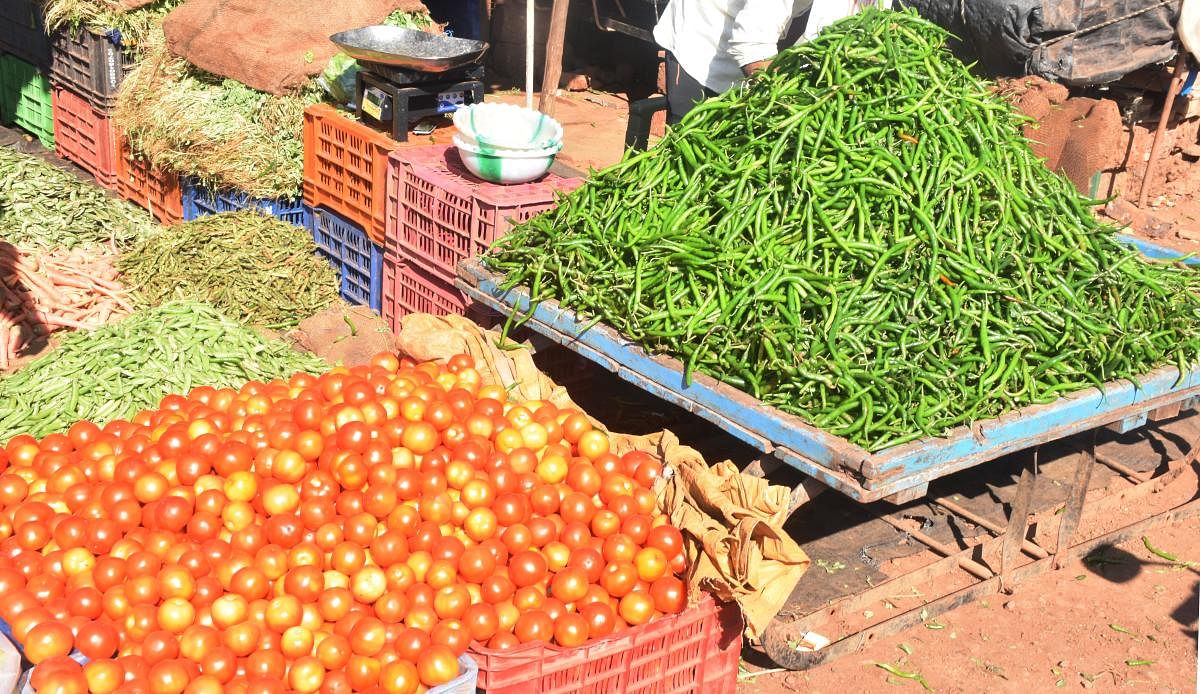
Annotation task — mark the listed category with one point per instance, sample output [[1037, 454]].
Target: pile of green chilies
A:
[[863, 238], [118, 370], [250, 266], [43, 206]]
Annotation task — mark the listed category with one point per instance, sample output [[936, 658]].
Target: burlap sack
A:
[[732, 523], [274, 46], [134, 4]]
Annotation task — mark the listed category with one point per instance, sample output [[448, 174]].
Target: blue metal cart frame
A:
[[900, 473]]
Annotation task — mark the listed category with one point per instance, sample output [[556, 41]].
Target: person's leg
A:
[[683, 92]]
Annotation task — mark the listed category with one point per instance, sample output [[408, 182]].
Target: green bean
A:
[[117, 370]]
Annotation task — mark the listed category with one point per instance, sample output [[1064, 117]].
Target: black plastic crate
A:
[[91, 65], [23, 33]]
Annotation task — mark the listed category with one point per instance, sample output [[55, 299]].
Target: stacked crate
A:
[[25, 99], [345, 168], [437, 215], [345, 179], [86, 70]]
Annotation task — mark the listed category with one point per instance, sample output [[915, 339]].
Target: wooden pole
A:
[[552, 70], [1168, 103]]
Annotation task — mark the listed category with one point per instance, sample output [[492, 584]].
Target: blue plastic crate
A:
[[358, 260], [199, 201]]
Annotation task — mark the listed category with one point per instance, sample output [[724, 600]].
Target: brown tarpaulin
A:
[[732, 523], [274, 46]]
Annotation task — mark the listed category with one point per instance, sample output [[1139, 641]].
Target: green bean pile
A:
[[118, 370], [250, 266], [863, 238], [43, 206]]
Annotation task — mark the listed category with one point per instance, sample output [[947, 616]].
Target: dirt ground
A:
[[1126, 627], [593, 126]]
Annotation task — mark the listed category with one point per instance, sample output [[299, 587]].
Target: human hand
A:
[[751, 68]]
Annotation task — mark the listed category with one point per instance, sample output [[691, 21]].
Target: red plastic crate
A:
[[84, 135], [693, 652], [345, 168], [441, 214], [410, 288], [158, 191]]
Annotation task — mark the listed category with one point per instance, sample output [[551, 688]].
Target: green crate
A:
[[25, 99]]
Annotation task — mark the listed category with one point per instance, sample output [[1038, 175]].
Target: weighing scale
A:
[[406, 76]]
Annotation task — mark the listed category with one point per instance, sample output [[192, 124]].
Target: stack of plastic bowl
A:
[[505, 143]]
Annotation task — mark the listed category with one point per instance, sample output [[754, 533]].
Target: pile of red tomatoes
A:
[[354, 531]]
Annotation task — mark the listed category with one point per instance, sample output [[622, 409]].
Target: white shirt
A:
[[713, 39]]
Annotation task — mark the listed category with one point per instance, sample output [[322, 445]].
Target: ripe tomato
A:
[[636, 608], [669, 594], [437, 665], [534, 625], [527, 568], [571, 630], [600, 618], [103, 676], [667, 539], [569, 585], [46, 640], [452, 634], [481, 622], [651, 564], [590, 561], [618, 579], [97, 639], [476, 564]]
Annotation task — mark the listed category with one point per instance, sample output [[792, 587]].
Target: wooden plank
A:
[[552, 68]]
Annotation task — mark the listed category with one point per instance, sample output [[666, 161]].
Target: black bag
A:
[[1070, 41]]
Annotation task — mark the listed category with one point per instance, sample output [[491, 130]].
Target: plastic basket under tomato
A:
[[12, 660], [694, 652]]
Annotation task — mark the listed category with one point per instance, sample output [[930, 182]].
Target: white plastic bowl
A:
[[498, 126], [506, 166]]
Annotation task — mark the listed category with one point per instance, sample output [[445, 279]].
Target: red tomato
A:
[[527, 568], [636, 608], [571, 630], [669, 594], [46, 640], [437, 665], [600, 618], [534, 625]]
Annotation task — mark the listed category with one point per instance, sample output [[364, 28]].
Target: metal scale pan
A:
[[409, 48], [409, 76]]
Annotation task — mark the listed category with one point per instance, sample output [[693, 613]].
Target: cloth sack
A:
[[274, 46]]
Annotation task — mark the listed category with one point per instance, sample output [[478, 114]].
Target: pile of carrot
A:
[[45, 291]]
